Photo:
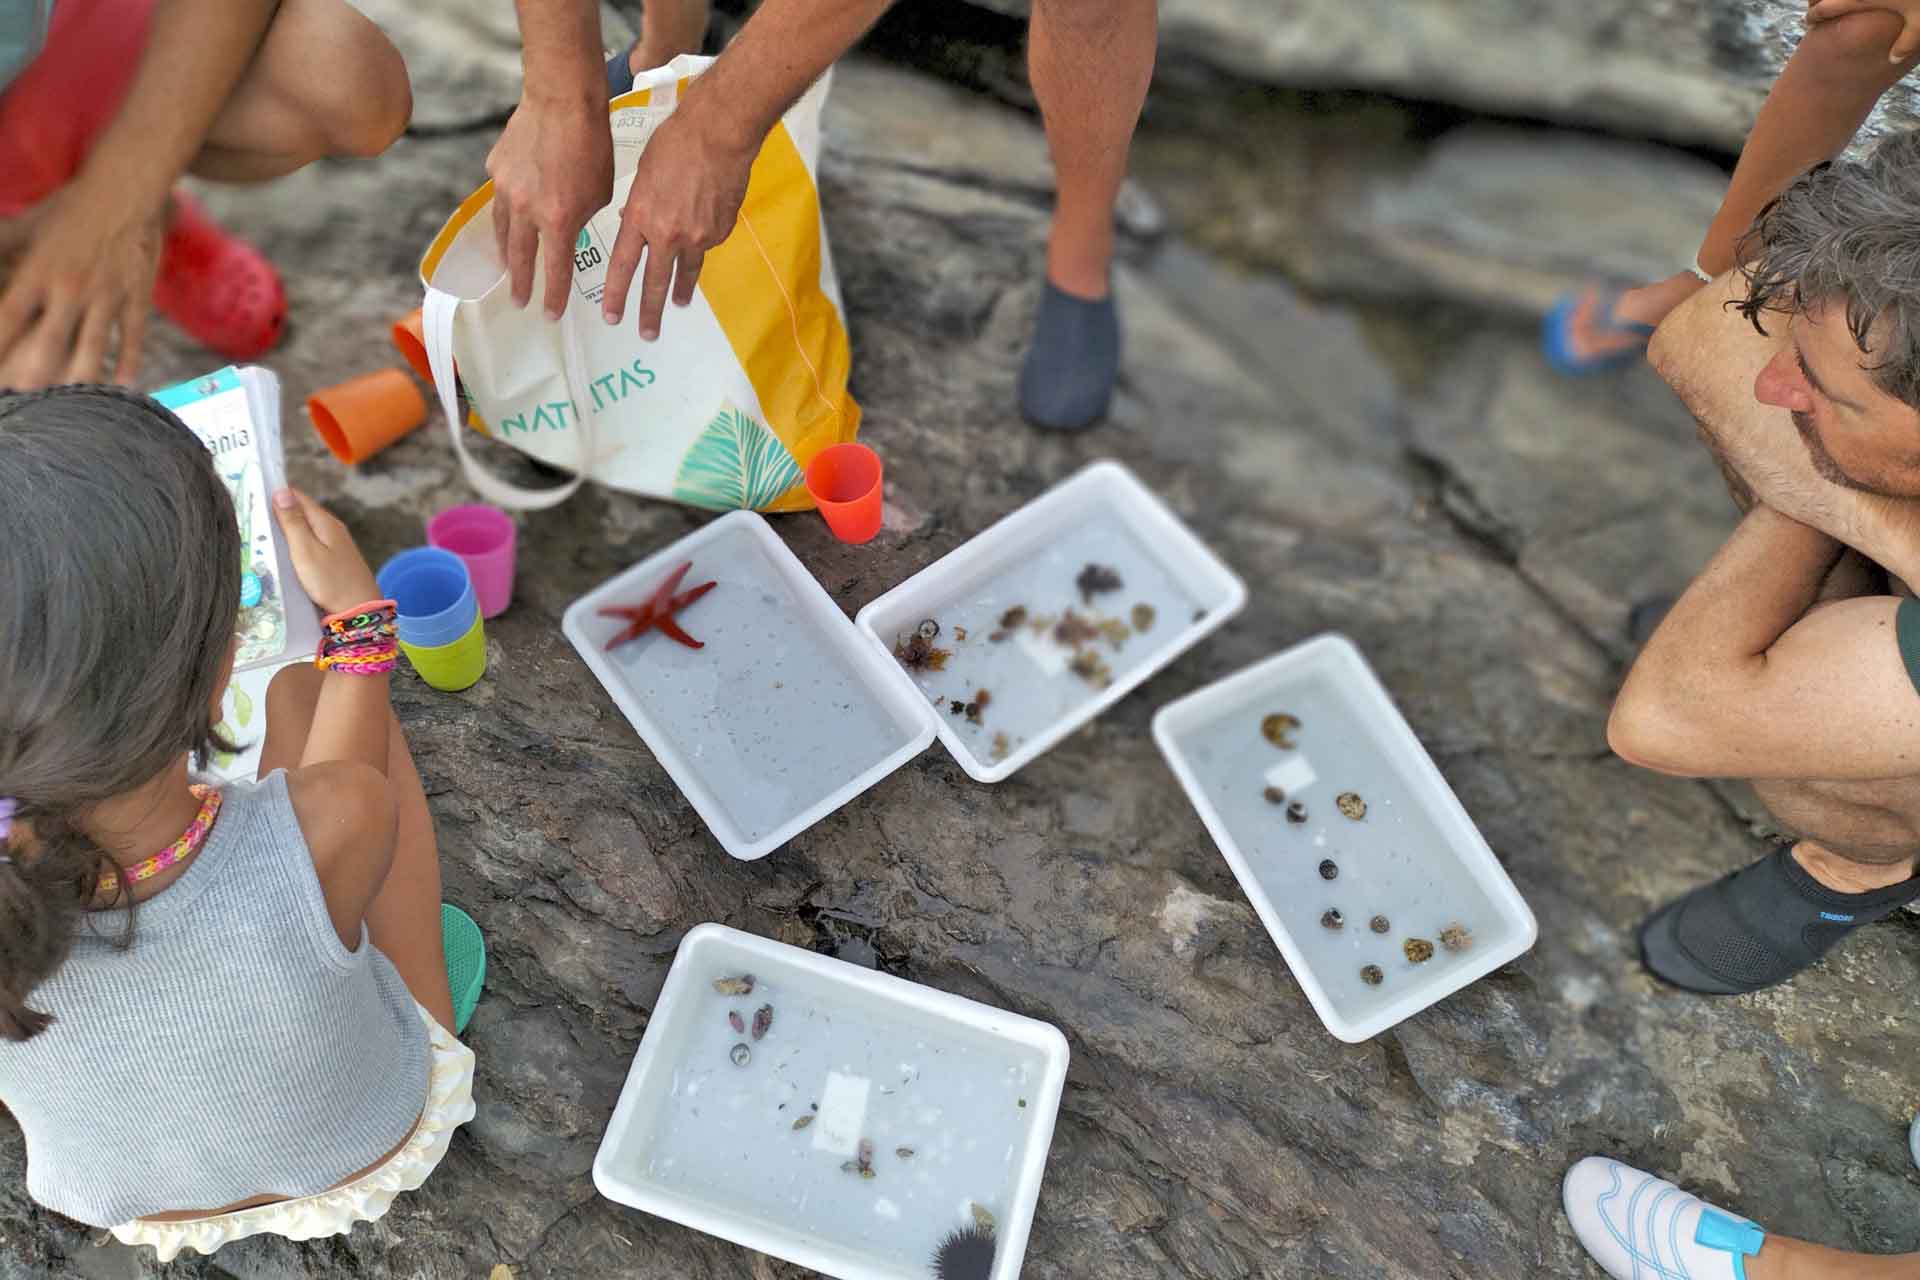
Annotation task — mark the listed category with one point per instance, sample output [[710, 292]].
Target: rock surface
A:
[[1424, 486], [1500, 217], [1690, 72]]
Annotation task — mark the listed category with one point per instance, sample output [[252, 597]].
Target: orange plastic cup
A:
[[845, 481], [411, 340], [358, 419]]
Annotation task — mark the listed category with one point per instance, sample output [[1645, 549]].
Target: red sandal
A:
[[217, 287]]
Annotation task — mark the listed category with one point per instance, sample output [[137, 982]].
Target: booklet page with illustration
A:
[[236, 414]]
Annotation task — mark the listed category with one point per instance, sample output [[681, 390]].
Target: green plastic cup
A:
[[452, 667]]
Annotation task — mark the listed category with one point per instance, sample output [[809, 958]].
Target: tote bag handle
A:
[[436, 324]]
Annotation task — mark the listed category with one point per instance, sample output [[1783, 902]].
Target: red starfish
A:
[[658, 612]]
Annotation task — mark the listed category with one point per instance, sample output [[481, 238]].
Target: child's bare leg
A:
[[325, 82], [669, 28], [1828, 87], [403, 919]]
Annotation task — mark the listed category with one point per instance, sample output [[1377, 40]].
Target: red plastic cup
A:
[[359, 418], [483, 538], [845, 481]]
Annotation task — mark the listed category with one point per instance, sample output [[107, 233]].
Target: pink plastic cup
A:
[[483, 538], [845, 481]]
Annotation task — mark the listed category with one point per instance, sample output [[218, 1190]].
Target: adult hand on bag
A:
[[552, 169], [686, 195]]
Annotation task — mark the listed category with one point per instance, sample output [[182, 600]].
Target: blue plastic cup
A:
[[438, 616]]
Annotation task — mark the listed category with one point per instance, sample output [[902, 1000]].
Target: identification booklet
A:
[[236, 414]]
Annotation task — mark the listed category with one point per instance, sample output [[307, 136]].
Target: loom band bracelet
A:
[[359, 626], [359, 666], [366, 613], [360, 653], [356, 644], [336, 658], [347, 635], [378, 649], [370, 635]]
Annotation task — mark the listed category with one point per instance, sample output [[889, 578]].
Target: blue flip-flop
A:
[[1556, 334]]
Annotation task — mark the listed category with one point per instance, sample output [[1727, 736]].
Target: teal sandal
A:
[[466, 962]]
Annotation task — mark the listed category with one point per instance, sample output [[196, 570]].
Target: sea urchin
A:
[[966, 1254]]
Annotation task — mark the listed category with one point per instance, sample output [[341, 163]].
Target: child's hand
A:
[[325, 559], [1905, 45]]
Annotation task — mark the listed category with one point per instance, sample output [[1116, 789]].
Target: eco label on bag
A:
[[590, 256], [633, 127]]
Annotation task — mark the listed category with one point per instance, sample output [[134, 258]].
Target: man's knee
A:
[[1663, 349], [1690, 332]]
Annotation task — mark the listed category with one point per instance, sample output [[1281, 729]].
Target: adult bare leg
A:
[[1091, 62], [325, 82]]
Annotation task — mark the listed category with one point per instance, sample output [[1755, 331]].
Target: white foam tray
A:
[[631, 1144], [735, 726], [791, 707], [1278, 874], [1102, 491]]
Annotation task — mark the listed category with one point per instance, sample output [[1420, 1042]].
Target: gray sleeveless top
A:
[[236, 1050]]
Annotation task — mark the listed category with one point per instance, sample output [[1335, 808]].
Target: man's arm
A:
[[1743, 680], [89, 265], [552, 168], [692, 176]]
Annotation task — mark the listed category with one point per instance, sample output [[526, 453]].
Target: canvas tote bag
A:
[[725, 409]]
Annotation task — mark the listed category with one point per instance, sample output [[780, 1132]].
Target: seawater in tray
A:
[[1031, 559], [969, 1090], [783, 717], [1415, 858]]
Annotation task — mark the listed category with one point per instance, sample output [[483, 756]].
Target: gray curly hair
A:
[[1848, 231]]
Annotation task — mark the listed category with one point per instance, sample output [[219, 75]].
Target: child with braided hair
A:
[[249, 1030]]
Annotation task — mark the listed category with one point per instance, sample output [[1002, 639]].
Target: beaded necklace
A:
[[190, 842]]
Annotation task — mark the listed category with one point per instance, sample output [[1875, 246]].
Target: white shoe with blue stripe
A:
[[1638, 1227]]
